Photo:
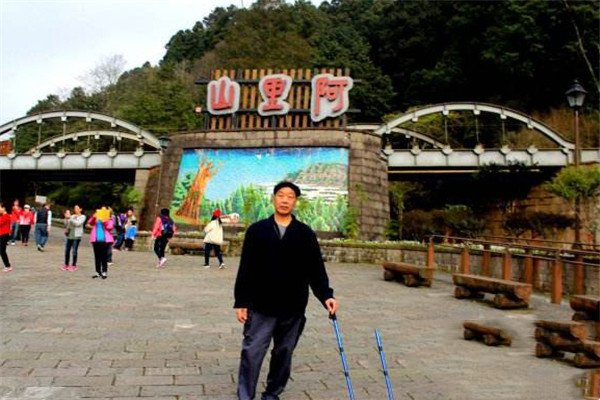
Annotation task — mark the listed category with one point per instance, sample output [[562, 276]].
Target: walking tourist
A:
[[162, 231], [5, 224], [109, 250], [25, 223], [101, 238], [74, 231], [280, 259], [213, 239], [130, 234], [121, 221], [43, 222], [15, 213]]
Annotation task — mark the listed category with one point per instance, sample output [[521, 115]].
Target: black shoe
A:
[[95, 276], [269, 397], [104, 276]]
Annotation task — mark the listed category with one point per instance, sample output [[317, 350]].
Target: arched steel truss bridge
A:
[[145, 155]]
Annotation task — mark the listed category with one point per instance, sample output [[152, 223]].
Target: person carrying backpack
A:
[[213, 239], [163, 230]]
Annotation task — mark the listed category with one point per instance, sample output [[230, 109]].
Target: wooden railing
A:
[[532, 256]]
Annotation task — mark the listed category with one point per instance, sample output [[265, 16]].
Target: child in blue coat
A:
[[130, 234]]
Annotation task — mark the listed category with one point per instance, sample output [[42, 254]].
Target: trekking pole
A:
[[386, 375], [338, 336]]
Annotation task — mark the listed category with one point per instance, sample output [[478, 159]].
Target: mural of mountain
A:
[[321, 174], [326, 181]]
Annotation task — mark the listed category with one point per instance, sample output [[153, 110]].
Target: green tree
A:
[[580, 187]]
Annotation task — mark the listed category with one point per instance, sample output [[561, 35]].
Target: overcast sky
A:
[[46, 46]]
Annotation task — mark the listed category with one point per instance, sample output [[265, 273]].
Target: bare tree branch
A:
[[581, 48]]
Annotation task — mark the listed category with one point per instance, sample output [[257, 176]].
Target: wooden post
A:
[[486, 269], [595, 384], [507, 265], [536, 273], [528, 267], [430, 254], [465, 267], [556, 285], [578, 276]]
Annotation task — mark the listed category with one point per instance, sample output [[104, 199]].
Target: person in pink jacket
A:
[[101, 240], [163, 230], [25, 223]]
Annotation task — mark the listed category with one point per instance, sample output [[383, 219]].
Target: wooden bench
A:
[[587, 308], [184, 246], [412, 275], [554, 338], [489, 335], [509, 294]]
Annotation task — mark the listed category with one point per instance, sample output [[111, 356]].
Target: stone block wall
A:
[[367, 180]]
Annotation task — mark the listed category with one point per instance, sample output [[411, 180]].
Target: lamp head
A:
[[575, 95]]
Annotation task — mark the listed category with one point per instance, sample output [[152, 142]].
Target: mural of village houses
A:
[[239, 182]]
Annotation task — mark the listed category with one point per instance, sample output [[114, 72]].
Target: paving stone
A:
[[81, 371], [172, 334], [131, 380]]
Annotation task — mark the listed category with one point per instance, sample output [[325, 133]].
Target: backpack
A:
[[167, 227], [42, 216]]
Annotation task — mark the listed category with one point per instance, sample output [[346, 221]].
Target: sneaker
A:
[[65, 267], [206, 266], [72, 268], [39, 248], [110, 264], [12, 243], [104, 276], [162, 262], [222, 266], [7, 269], [95, 276]]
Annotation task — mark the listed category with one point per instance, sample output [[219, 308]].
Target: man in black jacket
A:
[[280, 259]]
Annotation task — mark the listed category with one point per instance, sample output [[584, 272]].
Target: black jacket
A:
[[275, 273]]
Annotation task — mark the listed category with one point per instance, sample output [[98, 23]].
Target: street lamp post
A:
[[164, 142], [575, 96]]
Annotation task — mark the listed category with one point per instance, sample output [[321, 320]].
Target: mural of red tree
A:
[[190, 207]]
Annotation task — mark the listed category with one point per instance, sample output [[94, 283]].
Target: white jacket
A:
[[214, 232]]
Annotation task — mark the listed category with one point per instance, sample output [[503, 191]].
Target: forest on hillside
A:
[[520, 54]]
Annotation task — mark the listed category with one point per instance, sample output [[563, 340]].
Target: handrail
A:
[[538, 240], [575, 257], [521, 246]]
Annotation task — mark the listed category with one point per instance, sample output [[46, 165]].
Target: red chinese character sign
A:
[[329, 96], [274, 89], [223, 96]]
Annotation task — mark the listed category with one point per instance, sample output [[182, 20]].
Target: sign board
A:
[[41, 199], [288, 98], [329, 95]]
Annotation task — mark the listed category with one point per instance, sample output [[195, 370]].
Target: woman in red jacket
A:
[[5, 223]]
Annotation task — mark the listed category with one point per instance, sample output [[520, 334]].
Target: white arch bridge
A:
[[426, 152], [43, 155]]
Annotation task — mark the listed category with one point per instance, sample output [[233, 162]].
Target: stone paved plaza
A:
[[172, 334]]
